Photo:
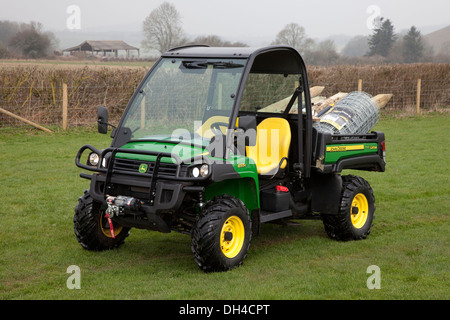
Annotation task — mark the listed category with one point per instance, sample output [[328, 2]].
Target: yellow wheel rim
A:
[[232, 237], [104, 225], [359, 210]]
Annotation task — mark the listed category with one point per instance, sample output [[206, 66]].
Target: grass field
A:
[[40, 185]]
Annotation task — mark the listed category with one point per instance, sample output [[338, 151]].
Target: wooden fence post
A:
[[65, 106], [359, 84], [419, 87]]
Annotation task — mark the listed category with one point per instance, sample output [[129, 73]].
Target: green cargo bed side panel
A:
[[335, 152]]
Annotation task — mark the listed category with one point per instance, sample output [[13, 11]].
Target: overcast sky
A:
[[235, 20]]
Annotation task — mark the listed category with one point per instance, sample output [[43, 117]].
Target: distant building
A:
[[104, 47]]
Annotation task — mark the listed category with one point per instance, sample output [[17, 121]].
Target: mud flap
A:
[[326, 193]]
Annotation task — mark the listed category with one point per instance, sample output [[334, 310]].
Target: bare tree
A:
[[356, 47], [323, 53], [216, 41], [294, 35], [162, 28], [32, 42], [4, 53], [8, 29]]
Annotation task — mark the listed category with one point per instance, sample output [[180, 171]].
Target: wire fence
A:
[[429, 95], [47, 109], [42, 101]]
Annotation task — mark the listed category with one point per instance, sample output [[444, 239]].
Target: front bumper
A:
[[157, 190], [166, 195]]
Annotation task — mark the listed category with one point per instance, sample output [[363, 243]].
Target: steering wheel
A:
[[215, 127]]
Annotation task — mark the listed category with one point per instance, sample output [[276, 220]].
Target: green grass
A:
[[409, 242]]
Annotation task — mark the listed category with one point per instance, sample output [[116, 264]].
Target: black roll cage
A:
[[271, 59]]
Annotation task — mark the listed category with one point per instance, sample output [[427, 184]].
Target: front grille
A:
[[136, 166]]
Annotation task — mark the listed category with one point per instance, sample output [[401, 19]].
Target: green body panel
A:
[[183, 151], [246, 188], [245, 166], [336, 152]]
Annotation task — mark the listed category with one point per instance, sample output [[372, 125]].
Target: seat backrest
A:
[[273, 138]]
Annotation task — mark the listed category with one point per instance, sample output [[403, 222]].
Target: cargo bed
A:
[[334, 153]]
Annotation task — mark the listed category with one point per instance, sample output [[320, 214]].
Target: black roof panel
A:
[[271, 59], [209, 52]]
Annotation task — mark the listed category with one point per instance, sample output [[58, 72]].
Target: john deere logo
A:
[[143, 168]]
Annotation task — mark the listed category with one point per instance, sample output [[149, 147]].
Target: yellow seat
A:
[[273, 138]]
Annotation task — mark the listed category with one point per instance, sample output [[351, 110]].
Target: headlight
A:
[[198, 171], [195, 172], [204, 170], [93, 159]]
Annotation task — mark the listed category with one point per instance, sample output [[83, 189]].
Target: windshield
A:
[[196, 96]]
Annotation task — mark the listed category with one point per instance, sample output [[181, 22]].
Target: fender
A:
[[244, 189]]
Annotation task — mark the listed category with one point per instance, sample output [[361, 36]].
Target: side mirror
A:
[[102, 120]]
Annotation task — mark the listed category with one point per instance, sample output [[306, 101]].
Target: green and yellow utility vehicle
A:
[[207, 147]]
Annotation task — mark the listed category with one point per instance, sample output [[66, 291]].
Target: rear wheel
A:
[[92, 229], [356, 212], [222, 235]]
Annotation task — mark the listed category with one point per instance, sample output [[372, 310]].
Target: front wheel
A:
[[92, 229], [356, 212], [222, 235]]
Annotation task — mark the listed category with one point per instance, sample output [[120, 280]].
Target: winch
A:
[[122, 205]]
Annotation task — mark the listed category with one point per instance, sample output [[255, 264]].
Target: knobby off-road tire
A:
[[222, 235], [356, 212], [92, 228]]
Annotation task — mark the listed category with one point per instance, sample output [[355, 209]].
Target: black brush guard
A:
[[156, 182]]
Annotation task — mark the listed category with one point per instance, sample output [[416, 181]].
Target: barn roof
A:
[[97, 45]]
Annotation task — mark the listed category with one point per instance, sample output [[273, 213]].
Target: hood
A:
[[183, 149]]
